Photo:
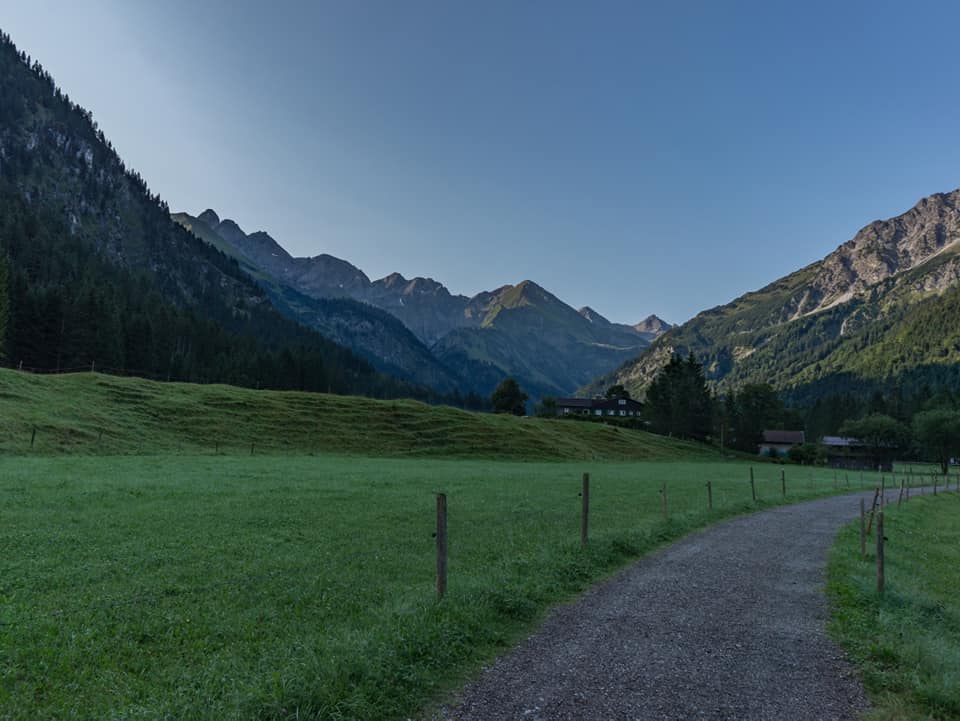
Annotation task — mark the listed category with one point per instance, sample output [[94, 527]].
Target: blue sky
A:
[[635, 157]]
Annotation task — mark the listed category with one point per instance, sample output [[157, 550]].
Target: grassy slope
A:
[[71, 411], [266, 587], [907, 643]]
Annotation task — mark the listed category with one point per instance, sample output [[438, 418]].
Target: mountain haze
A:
[[879, 311], [454, 341], [94, 274]]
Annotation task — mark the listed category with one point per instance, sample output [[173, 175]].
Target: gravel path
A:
[[728, 623]]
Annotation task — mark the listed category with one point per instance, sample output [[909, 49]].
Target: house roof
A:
[[790, 437], [575, 402], [605, 404]]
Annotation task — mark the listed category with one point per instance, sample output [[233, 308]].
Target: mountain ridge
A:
[[512, 330], [799, 330]]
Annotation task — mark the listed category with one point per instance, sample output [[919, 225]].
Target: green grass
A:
[[907, 642], [99, 414], [281, 587]]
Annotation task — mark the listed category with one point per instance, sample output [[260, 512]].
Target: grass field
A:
[[907, 642], [97, 414], [302, 587]]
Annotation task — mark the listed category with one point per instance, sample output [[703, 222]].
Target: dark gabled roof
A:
[[783, 437], [600, 404], [575, 402], [615, 404]]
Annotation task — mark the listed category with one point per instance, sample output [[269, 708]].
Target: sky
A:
[[634, 157]]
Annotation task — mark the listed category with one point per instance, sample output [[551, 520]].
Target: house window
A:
[[623, 413], [598, 412], [622, 402]]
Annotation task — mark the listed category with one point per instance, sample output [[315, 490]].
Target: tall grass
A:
[[907, 641], [302, 587]]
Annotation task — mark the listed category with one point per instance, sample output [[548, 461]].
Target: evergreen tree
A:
[[509, 398], [678, 402]]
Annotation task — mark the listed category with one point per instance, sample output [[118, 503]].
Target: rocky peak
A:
[[652, 324], [209, 218], [591, 315]]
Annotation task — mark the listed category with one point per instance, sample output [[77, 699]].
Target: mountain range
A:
[[416, 329], [879, 312]]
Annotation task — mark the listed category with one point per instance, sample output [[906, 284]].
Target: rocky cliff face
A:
[[803, 328]]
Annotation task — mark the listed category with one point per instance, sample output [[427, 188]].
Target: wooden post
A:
[[33, 437], [783, 483], [863, 528], [880, 552], [709, 496], [663, 500], [900, 497], [847, 477], [873, 508], [934, 484], [585, 511], [753, 487], [441, 545], [251, 448]]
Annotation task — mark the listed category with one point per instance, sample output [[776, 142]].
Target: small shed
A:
[[854, 454], [779, 442]]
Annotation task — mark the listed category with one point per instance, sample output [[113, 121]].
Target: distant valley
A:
[[416, 329]]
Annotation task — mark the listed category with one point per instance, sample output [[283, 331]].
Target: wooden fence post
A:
[[863, 529], [663, 501], [873, 508], [251, 448], [783, 483], [847, 477], [753, 487], [441, 545], [880, 551], [709, 496], [33, 437], [900, 497], [585, 511]]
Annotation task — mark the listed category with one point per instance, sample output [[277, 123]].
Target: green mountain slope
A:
[[878, 311], [526, 332]]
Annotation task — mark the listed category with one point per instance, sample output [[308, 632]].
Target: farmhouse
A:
[[854, 454], [610, 407], [779, 442]]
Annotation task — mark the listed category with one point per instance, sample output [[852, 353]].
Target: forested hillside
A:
[[94, 271]]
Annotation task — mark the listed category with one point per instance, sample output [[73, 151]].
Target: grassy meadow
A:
[[87, 413], [284, 586], [152, 567], [907, 642]]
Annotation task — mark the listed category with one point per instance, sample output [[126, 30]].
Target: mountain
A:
[[94, 273], [374, 334], [521, 331], [878, 312], [524, 331]]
